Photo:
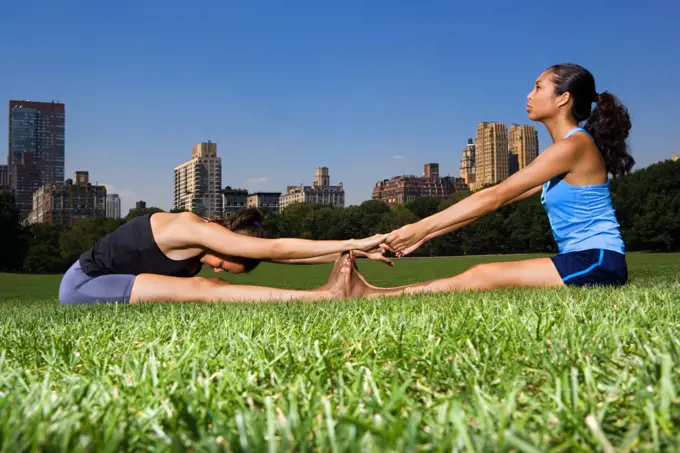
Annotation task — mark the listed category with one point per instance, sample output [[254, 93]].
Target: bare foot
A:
[[357, 285], [337, 282], [335, 272]]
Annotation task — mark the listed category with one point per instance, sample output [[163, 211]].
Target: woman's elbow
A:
[[277, 250], [493, 199]]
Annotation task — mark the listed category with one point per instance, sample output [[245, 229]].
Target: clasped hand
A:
[[401, 242]]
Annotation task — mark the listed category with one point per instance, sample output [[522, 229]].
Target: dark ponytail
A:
[[608, 123], [247, 221]]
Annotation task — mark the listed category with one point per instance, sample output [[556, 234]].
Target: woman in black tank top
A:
[[157, 258]]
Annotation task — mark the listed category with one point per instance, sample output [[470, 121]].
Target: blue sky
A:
[[369, 89]]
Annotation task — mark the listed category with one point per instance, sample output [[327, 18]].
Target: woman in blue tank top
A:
[[572, 176]]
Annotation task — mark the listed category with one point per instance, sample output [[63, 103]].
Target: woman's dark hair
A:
[[247, 222], [608, 123]]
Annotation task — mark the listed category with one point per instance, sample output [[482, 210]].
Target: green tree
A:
[[397, 217], [84, 234], [43, 254], [424, 206], [351, 225], [295, 220], [271, 222], [12, 240], [369, 216], [647, 207], [528, 227], [324, 223]]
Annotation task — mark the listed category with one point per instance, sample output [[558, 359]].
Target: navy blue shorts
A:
[[77, 287], [594, 267]]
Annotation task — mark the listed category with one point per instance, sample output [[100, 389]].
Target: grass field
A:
[[513, 370]]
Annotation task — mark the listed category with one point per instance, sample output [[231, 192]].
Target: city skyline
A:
[[394, 93]]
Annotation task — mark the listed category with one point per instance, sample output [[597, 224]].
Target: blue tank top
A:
[[581, 217]]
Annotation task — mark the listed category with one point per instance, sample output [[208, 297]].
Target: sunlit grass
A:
[[522, 370]]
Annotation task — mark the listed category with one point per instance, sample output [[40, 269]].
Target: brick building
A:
[[66, 203], [402, 189]]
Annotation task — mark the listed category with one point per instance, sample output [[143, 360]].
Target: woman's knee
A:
[[206, 287], [66, 297], [207, 282], [69, 284], [478, 277], [475, 277], [482, 270]]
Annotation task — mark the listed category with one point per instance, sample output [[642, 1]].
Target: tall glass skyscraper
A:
[[36, 148], [113, 206]]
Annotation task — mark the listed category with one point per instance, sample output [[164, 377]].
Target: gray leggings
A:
[[79, 288]]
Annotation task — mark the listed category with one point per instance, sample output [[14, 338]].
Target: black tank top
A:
[[132, 249]]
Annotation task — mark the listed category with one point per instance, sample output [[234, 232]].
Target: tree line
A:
[[647, 204]]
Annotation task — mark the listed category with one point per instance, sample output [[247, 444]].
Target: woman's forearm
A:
[[459, 225], [449, 229], [293, 249], [323, 259]]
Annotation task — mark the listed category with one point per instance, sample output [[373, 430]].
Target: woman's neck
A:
[[558, 127]]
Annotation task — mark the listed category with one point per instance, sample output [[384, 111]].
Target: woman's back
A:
[[132, 249], [581, 215]]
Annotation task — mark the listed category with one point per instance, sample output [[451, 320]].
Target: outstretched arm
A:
[[554, 161], [197, 232], [458, 226], [375, 255]]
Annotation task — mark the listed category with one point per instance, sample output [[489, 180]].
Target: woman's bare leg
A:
[[150, 288], [540, 272]]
